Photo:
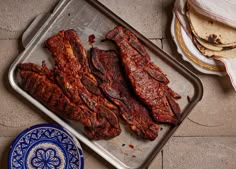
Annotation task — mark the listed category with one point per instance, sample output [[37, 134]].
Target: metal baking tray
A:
[[91, 17]]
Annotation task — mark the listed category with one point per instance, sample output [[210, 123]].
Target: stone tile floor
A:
[[205, 140]]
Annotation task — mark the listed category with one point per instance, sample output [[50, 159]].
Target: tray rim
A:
[[195, 81]]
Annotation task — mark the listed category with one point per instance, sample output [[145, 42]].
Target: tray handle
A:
[[39, 21], [33, 28]]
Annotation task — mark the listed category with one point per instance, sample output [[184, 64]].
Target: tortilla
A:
[[231, 53], [211, 31], [211, 46], [208, 45]]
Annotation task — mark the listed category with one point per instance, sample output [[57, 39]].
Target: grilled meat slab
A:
[[73, 73], [106, 67], [78, 84], [148, 81], [40, 83]]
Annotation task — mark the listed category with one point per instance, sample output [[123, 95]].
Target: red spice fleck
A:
[[133, 156], [91, 39], [131, 146]]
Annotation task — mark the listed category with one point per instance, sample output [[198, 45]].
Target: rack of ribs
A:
[[148, 81], [40, 83], [106, 66]]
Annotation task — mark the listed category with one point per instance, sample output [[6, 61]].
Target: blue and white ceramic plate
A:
[[45, 146]]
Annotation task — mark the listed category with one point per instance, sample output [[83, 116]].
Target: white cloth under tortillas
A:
[[230, 65]]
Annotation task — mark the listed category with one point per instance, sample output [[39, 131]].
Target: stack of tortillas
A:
[[211, 37], [212, 27]]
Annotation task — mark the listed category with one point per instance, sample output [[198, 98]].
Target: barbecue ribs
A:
[[40, 83], [107, 68], [148, 81]]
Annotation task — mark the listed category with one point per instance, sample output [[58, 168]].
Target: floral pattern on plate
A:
[[45, 146]]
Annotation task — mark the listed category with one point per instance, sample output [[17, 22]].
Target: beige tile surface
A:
[[167, 14], [200, 153], [5, 143], [6, 131], [15, 111], [15, 16], [145, 16]]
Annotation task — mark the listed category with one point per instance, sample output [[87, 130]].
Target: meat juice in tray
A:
[[86, 18]]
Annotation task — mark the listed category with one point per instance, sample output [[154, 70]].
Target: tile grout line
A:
[[220, 136], [7, 136], [9, 39]]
